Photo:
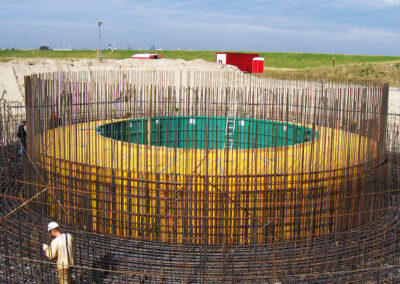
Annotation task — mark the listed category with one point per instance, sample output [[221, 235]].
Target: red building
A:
[[246, 62], [258, 65], [146, 56]]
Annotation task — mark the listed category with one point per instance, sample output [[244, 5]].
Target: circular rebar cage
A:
[[204, 175], [221, 161]]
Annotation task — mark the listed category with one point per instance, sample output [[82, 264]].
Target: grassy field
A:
[[388, 72], [358, 67], [272, 59], [6, 55]]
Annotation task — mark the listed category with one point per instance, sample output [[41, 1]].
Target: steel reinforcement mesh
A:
[[325, 210]]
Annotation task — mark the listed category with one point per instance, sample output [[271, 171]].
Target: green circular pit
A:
[[207, 132]]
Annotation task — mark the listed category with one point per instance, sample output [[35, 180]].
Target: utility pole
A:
[[99, 54]]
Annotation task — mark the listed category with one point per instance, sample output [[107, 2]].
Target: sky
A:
[[370, 27]]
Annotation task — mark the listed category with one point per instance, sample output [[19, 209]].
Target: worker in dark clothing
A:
[[55, 121], [21, 134]]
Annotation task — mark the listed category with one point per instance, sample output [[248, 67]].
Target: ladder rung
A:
[[230, 124]]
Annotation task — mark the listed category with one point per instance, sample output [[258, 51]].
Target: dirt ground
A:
[[12, 73]]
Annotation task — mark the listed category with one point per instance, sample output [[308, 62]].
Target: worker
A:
[[55, 120], [21, 135], [353, 125], [61, 247]]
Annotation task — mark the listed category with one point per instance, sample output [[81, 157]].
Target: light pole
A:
[[100, 54]]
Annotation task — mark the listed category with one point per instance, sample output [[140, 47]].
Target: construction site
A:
[[201, 176]]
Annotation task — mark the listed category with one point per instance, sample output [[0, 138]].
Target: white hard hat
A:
[[52, 225]]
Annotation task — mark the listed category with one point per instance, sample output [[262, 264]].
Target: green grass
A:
[[6, 55], [272, 59], [312, 60], [11, 54]]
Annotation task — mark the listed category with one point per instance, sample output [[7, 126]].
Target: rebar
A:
[[191, 176]]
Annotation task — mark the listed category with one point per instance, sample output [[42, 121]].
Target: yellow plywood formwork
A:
[[212, 196], [81, 144]]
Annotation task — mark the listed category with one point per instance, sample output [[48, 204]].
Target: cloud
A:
[[322, 32], [207, 24], [369, 33], [370, 3]]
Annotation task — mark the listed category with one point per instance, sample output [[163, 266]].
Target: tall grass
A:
[[388, 72]]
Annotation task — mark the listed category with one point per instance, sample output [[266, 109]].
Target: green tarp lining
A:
[[196, 132]]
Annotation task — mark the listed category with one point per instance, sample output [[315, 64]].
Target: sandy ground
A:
[[12, 73], [394, 100]]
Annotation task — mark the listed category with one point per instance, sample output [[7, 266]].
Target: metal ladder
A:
[[230, 125]]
